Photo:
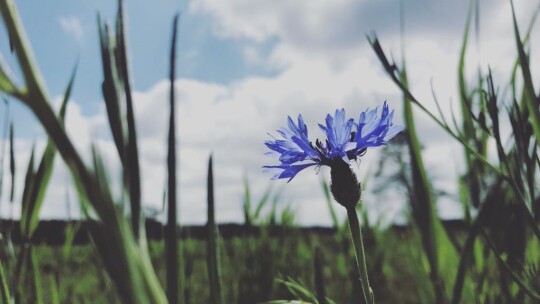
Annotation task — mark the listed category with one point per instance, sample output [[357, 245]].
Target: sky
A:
[[242, 67]]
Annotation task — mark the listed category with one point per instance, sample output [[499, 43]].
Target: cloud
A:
[[73, 27]]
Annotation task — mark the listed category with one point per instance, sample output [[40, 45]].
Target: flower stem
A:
[[356, 235]]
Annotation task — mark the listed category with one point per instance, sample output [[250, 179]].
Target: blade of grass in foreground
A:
[[532, 100], [214, 271], [30, 214], [319, 280], [132, 167], [171, 238], [11, 162], [4, 290], [423, 206]]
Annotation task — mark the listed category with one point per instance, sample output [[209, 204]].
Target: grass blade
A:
[[36, 276], [319, 280], [132, 167], [44, 172], [248, 216], [532, 101], [214, 269], [11, 161], [112, 94], [423, 210], [4, 290], [171, 235]]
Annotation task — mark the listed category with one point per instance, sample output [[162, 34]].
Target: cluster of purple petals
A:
[[345, 139]]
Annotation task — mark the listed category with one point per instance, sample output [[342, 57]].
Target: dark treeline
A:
[[52, 232]]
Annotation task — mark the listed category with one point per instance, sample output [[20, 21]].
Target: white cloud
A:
[[72, 26]]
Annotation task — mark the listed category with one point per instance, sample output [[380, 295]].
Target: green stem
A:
[[356, 235]]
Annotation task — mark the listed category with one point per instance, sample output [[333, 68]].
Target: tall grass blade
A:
[[132, 167], [36, 277], [30, 215], [171, 237], [213, 263], [532, 101], [11, 161], [111, 90], [467, 250], [248, 217], [4, 289], [424, 203], [473, 168], [54, 294], [319, 280], [29, 182]]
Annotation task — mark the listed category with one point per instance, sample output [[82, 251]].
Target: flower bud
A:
[[343, 184]]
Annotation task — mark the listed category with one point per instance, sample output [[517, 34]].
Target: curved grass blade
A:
[[43, 175], [248, 217], [532, 101], [132, 167], [112, 93], [36, 277], [423, 209], [4, 290]]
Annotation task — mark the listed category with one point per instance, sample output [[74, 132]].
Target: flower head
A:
[[346, 140]]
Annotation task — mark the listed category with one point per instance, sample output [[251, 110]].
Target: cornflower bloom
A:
[[346, 140]]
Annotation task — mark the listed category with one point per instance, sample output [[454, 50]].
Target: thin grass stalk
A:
[[473, 168], [112, 94], [132, 152], [11, 162], [171, 235], [532, 100], [248, 217], [423, 207], [54, 294], [36, 277], [359, 253], [5, 296], [214, 269], [319, 279]]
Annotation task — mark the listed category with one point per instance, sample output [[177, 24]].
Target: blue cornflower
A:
[[346, 140]]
